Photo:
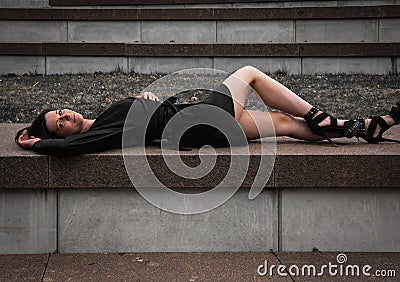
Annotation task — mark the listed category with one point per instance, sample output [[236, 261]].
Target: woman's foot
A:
[[372, 129], [321, 123]]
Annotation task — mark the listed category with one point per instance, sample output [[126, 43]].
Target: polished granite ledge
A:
[[297, 164]]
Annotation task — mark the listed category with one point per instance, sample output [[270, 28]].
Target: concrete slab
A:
[[353, 263], [381, 65], [24, 3], [18, 166], [22, 267], [304, 160], [149, 65], [389, 30], [269, 65], [255, 31], [22, 65], [216, 266], [103, 31], [284, 4], [87, 223], [178, 31], [334, 219], [92, 171], [362, 3], [68, 64], [108, 169], [33, 31], [361, 30], [28, 221]]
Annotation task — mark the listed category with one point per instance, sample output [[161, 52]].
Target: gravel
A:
[[22, 98]]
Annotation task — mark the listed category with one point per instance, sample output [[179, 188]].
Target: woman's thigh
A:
[[239, 85], [257, 124]]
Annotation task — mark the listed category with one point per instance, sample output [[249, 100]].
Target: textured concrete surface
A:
[[389, 30], [22, 65], [68, 64], [167, 65], [20, 168], [147, 65], [108, 169], [215, 266], [178, 31], [33, 31], [255, 31], [336, 30], [314, 3], [360, 164], [357, 159], [357, 220], [28, 221], [269, 65], [114, 220], [103, 31], [24, 3], [379, 65], [22, 267]]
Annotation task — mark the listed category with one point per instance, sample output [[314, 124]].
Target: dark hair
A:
[[38, 128]]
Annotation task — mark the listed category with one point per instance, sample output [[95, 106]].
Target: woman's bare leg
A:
[[272, 93], [257, 124], [277, 96]]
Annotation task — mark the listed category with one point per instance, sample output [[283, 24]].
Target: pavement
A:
[[202, 266]]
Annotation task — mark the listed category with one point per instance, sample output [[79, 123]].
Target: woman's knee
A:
[[248, 74]]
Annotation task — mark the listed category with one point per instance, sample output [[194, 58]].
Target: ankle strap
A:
[[361, 127], [311, 113]]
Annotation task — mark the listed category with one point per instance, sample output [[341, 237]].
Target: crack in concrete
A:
[[45, 268]]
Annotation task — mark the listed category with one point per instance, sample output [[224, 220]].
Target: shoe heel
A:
[[329, 140]]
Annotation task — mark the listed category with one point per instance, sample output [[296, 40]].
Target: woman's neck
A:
[[86, 124]]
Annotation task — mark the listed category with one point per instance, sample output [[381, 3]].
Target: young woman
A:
[[65, 132]]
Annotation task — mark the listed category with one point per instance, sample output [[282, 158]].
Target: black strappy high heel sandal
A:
[[349, 129], [368, 135]]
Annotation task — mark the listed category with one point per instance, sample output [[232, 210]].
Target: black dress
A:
[[107, 130]]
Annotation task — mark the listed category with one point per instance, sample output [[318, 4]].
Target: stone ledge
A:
[[203, 49], [152, 2], [297, 164], [144, 14]]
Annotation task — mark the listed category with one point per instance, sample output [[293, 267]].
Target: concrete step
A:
[[189, 3], [235, 25], [266, 38], [226, 3], [215, 266], [318, 196], [293, 58]]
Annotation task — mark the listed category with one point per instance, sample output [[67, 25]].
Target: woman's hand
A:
[[25, 141], [148, 96]]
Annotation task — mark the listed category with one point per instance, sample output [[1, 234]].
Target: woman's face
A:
[[64, 122]]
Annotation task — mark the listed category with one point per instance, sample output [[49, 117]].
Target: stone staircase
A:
[[318, 196], [303, 37]]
